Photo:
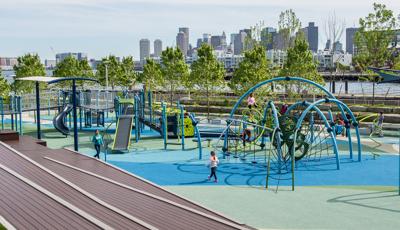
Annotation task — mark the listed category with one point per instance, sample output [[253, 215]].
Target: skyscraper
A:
[[238, 43], [350, 32], [181, 42], [144, 49], [199, 42], [157, 48], [311, 34], [207, 38], [185, 30], [267, 35], [216, 41]]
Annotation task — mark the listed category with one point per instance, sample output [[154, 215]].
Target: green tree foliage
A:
[[4, 87], [373, 38], [300, 63], [72, 67], [289, 26], [119, 73], [28, 65], [175, 72], [207, 72], [151, 76], [253, 69], [128, 76]]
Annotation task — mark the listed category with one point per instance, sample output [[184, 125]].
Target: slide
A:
[[59, 120], [123, 133]]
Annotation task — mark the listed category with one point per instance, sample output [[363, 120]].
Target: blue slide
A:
[[59, 120]]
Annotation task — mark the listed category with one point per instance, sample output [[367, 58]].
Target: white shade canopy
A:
[[37, 78]]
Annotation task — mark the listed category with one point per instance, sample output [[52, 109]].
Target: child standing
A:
[[97, 140], [213, 166], [251, 101]]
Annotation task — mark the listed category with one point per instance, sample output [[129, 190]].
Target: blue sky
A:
[[101, 27]]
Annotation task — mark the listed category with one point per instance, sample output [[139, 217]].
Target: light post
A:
[[106, 91]]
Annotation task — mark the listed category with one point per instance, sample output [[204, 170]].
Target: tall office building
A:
[[328, 45], [267, 35], [199, 42], [350, 33], [216, 41], [185, 30], [181, 42], [207, 38], [238, 43], [157, 48], [144, 49], [311, 34], [337, 47]]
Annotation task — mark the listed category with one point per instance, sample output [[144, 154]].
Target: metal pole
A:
[[74, 115], [182, 117], [2, 113], [39, 135]]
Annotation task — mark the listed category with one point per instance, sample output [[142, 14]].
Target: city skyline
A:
[[99, 28]]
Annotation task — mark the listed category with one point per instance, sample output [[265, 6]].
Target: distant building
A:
[[79, 56], [157, 48], [185, 30], [181, 43], [350, 33], [267, 35], [328, 45], [238, 43], [207, 38], [326, 59], [216, 41], [311, 35], [50, 64], [144, 47], [278, 41], [276, 57], [7, 63], [338, 47], [199, 42]]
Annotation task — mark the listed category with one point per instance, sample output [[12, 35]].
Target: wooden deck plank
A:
[[62, 190], [34, 211], [132, 195]]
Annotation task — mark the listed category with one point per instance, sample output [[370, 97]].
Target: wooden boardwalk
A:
[[41, 188]]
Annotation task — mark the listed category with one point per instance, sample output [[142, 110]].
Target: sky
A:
[[103, 27]]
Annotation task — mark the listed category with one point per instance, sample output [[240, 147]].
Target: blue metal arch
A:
[[235, 107], [321, 114], [340, 105], [274, 80]]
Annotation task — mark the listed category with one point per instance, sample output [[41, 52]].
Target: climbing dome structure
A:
[[302, 136]]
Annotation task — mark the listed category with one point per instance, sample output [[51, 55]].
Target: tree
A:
[[152, 75], [128, 76], [174, 70], [373, 38], [72, 67], [334, 28], [207, 72], [28, 65], [300, 63], [4, 87], [289, 26], [253, 69], [110, 68]]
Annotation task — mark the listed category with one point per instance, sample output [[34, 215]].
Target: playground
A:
[[308, 164]]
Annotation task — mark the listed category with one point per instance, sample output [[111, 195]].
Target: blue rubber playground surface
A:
[[182, 167]]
